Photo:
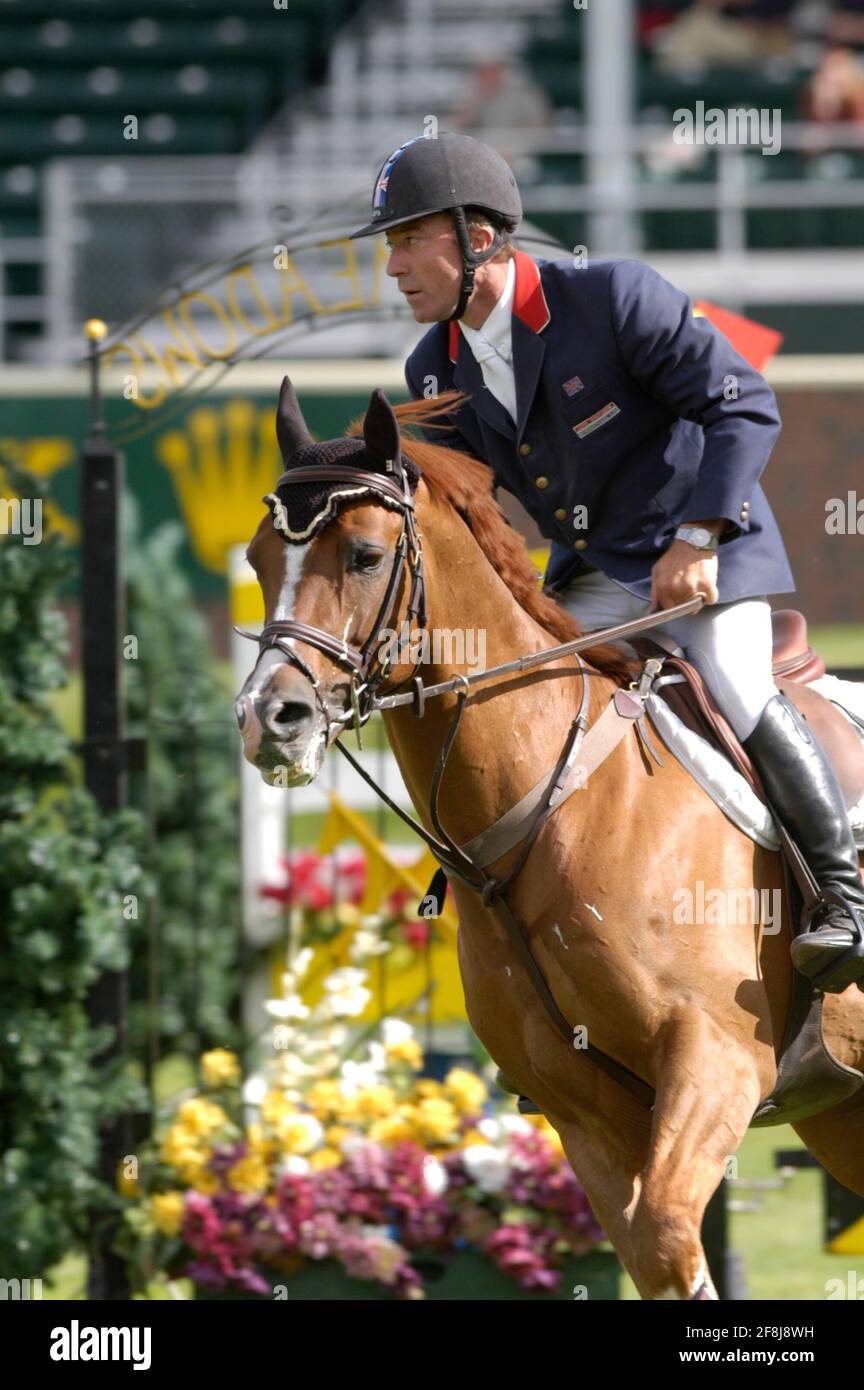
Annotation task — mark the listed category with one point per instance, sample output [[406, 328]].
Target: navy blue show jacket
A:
[[633, 417]]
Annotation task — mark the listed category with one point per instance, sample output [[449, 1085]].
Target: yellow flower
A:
[[181, 1152], [219, 1067], [201, 1117], [204, 1182], [335, 1134], [324, 1158], [374, 1102], [299, 1134], [436, 1120], [408, 1051], [166, 1209], [258, 1143], [466, 1090], [428, 1089], [325, 1099], [249, 1174], [393, 1129], [275, 1106], [347, 915]]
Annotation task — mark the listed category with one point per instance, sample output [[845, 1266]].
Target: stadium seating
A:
[[200, 76]]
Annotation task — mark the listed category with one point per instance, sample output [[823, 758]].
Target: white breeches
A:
[[730, 644]]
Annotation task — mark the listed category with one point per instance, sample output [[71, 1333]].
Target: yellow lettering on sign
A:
[[245, 274], [220, 314], [177, 352], [132, 348], [350, 273], [293, 283]]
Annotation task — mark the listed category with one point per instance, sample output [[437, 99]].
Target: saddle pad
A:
[[724, 784]]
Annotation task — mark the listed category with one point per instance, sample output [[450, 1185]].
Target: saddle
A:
[[795, 663], [809, 1078]]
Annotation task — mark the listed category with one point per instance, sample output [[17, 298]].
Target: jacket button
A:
[[524, 449], [561, 514], [579, 545], [542, 483]]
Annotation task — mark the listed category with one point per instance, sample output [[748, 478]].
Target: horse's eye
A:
[[367, 560]]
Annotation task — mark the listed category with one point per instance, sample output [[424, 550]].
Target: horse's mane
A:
[[466, 484]]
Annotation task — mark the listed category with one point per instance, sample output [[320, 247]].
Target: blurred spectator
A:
[[725, 33], [835, 92], [502, 96]]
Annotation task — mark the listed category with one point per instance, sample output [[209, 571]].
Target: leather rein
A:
[[367, 672]]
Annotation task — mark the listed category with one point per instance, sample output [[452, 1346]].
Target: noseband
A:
[[394, 490]]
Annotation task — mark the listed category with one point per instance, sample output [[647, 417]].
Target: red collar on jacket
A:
[[529, 301]]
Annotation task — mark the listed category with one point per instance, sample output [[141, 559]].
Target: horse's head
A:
[[329, 559]]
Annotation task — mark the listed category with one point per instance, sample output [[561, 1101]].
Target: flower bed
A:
[[345, 1165]]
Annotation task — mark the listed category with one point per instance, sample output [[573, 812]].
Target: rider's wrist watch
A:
[[698, 536]]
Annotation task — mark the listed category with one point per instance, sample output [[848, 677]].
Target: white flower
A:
[[435, 1175], [376, 1056], [301, 962], [488, 1167], [356, 1076], [351, 1143], [296, 1163], [346, 978], [254, 1089], [490, 1129], [515, 1124], [346, 996], [290, 1007], [366, 943], [394, 1031], [311, 1129], [350, 1003]]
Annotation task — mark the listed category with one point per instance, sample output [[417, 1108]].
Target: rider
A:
[[618, 418]]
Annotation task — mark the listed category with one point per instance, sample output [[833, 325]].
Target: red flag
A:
[[756, 343]]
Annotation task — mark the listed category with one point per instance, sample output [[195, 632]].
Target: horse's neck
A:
[[513, 728]]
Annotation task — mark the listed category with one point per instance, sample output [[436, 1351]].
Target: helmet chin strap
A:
[[471, 259]]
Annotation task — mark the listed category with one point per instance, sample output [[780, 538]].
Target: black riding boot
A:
[[803, 791]]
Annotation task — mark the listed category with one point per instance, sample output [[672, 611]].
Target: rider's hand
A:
[[681, 573]]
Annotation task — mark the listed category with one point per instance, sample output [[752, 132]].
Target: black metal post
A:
[[102, 625]]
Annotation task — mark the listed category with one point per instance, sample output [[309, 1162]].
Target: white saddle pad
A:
[[724, 784]]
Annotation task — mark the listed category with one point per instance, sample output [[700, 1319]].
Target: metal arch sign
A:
[[236, 311]]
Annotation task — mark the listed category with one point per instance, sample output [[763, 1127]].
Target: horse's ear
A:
[[381, 429], [291, 428]]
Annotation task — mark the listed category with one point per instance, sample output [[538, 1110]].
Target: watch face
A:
[[700, 535]]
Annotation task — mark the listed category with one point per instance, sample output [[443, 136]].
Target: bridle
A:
[[366, 669]]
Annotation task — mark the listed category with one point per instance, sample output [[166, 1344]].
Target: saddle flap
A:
[[693, 703]]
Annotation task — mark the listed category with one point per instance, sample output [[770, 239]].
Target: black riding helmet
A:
[[446, 173]]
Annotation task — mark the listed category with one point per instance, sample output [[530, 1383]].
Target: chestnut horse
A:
[[694, 1010]]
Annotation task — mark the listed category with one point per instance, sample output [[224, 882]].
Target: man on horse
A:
[[635, 436]]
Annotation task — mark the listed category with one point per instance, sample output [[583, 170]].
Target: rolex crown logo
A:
[[221, 463]]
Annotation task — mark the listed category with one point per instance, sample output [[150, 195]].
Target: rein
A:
[[393, 490]]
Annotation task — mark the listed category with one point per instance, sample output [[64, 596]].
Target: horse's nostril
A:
[[290, 712]]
